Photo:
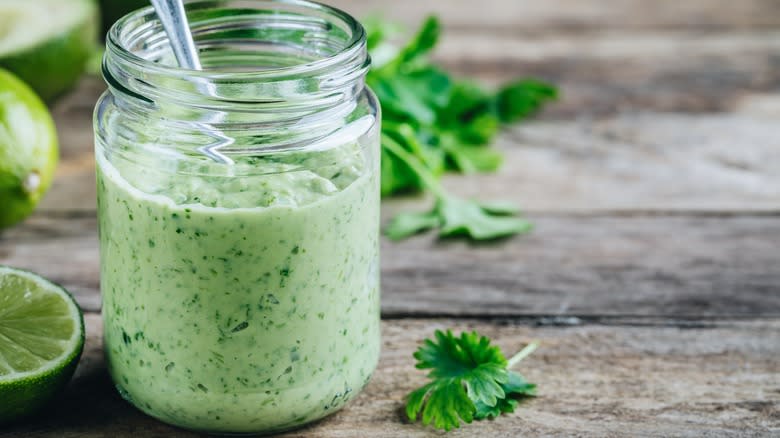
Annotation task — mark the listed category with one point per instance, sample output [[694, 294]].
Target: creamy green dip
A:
[[240, 303]]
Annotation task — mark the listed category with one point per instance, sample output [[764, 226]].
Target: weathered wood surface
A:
[[660, 380], [652, 279], [609, 56], [588, 265], [536, 17]]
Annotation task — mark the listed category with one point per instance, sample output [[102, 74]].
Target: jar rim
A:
[[131, 73]]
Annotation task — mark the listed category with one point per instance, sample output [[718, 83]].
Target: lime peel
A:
[[28, 149], [41, 341]]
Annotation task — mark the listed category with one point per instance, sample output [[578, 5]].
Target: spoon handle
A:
[[174, 21]]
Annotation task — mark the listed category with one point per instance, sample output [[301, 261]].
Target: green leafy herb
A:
[[441, 124], [453, 216], [470, 379]]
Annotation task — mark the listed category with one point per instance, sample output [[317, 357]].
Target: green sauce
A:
[[240, 303]]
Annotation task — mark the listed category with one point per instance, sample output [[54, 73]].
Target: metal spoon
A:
[[174, 21]]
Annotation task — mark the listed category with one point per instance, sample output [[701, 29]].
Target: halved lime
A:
[[41, 339], [47, 42], [28, 149]]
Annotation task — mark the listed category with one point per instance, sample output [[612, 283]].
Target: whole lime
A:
[[28, 149]]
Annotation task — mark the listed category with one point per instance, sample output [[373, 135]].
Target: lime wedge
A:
[[47, 42], [28, 149], [41, 339]]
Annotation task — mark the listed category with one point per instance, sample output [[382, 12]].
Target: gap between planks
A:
[[568, 321]]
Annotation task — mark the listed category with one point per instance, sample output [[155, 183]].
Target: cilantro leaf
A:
[[470, 380], [470, 159], [500, 208], [523, 98], [464, 369], [445, 402], [395, 174], [464, 217], [480, 129], [467, 100], [516, 388], [454, 216], [413, 97], [379, 34], [433, 123], [423, 42], [378, 31], [407, 224]]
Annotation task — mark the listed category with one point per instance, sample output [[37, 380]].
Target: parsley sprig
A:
[[470, 379], [433, 123]]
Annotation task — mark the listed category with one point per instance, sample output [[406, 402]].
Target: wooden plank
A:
[[73, 188], [638, 161], [63, 249], [611, 72], [578, 16], [684, 265], [603, 380], [594, 265]]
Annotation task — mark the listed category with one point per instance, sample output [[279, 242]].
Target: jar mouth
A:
[[257, 55]]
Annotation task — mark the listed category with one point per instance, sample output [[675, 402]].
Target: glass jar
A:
[[239, 215]]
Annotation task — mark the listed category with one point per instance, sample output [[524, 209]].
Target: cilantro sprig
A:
[[470, 379], [433, 123], [452, 215]]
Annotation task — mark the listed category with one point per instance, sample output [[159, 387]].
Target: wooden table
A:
[[652, 280]]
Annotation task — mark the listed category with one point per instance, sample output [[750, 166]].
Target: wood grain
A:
[[586, 266], [535, 17], [624, 380], [63, 249], [593, 265], [612, 72], [638, 162], [608, 57]]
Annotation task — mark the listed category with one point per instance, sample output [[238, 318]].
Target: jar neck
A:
[[273, 61]]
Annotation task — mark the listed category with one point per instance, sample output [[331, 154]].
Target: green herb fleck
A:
[[240, 327]]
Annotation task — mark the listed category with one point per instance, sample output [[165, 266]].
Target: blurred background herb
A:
[[433, 123]]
